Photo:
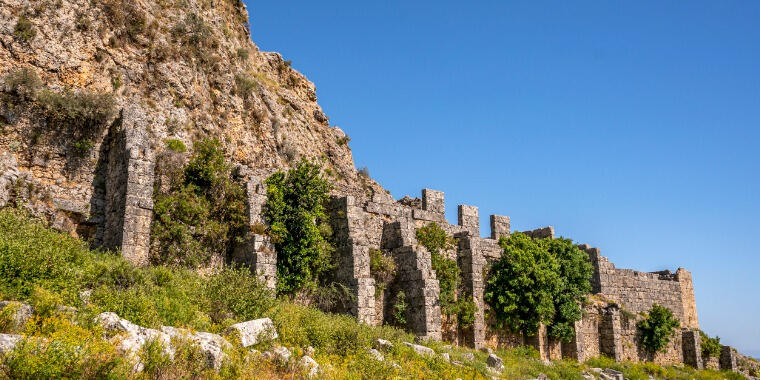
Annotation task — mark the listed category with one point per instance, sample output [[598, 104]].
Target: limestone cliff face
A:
[[181, 69]]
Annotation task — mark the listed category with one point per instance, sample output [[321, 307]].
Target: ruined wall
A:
[[638, 291]]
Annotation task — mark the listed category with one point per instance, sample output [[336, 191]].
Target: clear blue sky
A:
[[632, 126]]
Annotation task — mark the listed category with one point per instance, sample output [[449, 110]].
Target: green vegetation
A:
[[710, 346], [48, 269], [382, 268], [176, 145], [657, 328], [295, 212], [245, 85], [81, 115], [538, 281], [203, 213], [24, 30], [436, 241], [197, 39], [127, 19], [398, 314]]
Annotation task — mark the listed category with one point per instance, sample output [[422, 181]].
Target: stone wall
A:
[[638, 291]]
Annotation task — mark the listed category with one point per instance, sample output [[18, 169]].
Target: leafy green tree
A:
[[295, 212], [575, 273], [522, 284], [201, 216], [657, 328]]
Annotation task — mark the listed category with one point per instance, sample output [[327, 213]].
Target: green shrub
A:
[[575, 273], [245, 85], [657, 328], [82, 147], [196, 38], [711, 347], [538, 281], [24, 30], [23, 83], [176, 145], [127, 19], [202, 217], [295, 212], [399, 310], [382, 268], [84, 113], [243, 54], [521, 285]]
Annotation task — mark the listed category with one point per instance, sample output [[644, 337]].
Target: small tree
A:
[[575, 273], [657, 328], [710, 346], [522, 284], [295, 211]]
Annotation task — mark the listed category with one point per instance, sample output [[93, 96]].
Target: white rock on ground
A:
[[495, 362], [134, 336], [384, 345], [468, 356], [212, 345], [422, 350], [280, 354], [8, 342], [22, 314], [308, 364], [255, 331], [446, 356], [377, 355], [613, 374]]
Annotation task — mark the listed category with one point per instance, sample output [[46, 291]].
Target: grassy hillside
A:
[[48, 269]]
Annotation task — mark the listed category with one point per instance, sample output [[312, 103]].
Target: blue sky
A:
[[632, 126]]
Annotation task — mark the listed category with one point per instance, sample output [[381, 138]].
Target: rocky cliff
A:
[[163, 69]]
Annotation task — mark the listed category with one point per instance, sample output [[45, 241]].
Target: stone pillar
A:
[[499, 226], [540, 342], [467, 217], [596, 259], [416, 278], [575, 348], [687, 299], [471, 261], [728, 359], [433, 201], [610, 333], [352, 251], [692, 348], [129, 190], [256, 251]]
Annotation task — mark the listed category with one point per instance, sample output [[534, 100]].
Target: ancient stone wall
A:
[[638, 291]]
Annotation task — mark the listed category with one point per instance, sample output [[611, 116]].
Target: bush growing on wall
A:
[[435, 240], [382, 268], [710, 346], [203, 215], [295, 212], [538, 281], [657, 328]]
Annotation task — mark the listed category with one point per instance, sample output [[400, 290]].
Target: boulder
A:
[[280, 355], [212, 345], [384, 345], [132, 337], [495, 362], [255, 331], [309, 351], [21, 313], [445, 356], [8, 342], [309, 365], [469, 356], [422, 350], [613, 374], [377, 355]]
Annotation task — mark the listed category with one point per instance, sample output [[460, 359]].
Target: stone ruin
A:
[[121, 213]]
